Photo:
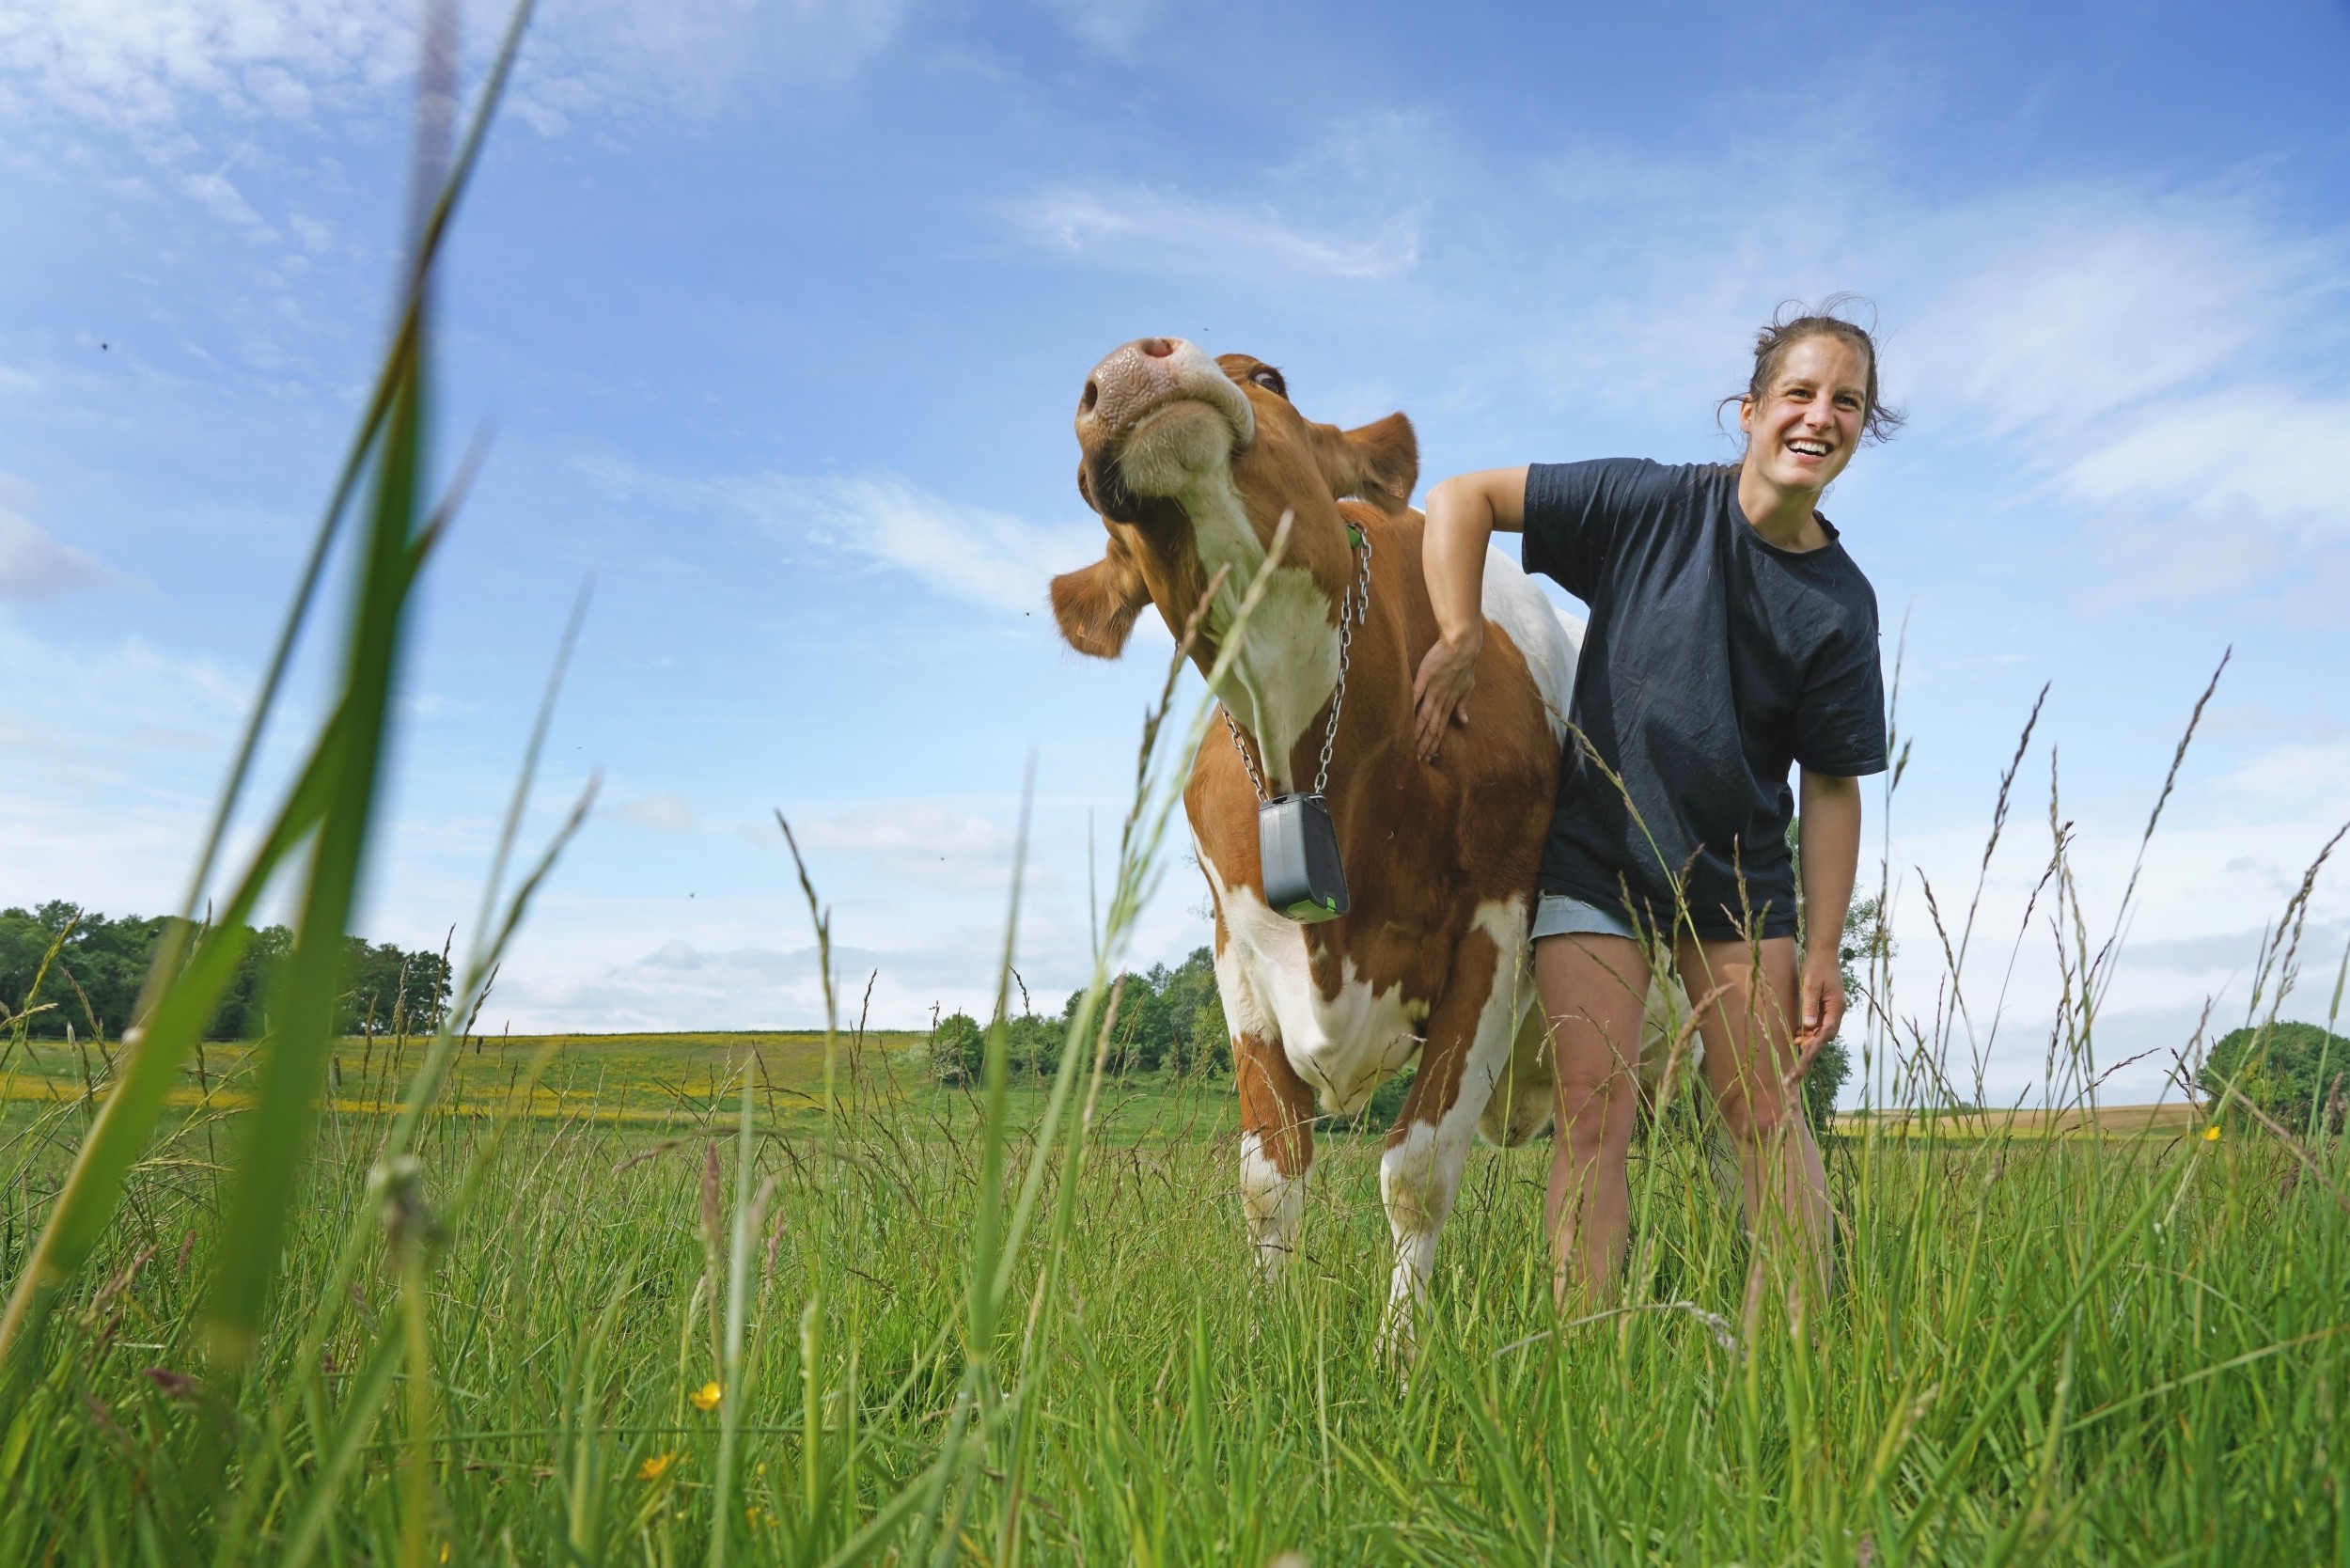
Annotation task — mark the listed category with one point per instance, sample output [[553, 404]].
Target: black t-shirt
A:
[[1713, 660]]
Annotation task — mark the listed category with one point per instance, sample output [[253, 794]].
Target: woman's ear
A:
[[1384, 456], [1096, 606]]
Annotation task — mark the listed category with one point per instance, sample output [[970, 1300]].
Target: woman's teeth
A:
[[1809, 448]]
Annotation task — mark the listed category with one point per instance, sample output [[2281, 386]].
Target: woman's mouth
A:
[[1804, 447]]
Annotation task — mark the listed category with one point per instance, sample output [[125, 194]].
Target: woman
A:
[[1731, 638]]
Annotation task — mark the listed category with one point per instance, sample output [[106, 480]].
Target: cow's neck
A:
[[1288, 665]]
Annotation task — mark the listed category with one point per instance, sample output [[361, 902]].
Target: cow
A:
[[1192, 463]]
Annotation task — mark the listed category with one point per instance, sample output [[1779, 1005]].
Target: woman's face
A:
[[1807, 425]]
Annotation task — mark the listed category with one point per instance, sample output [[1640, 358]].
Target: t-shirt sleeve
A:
[[1839, 724], [1575, 513]]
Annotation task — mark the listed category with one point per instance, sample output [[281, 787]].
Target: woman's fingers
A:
[[1440, 697], [1822, 1010]]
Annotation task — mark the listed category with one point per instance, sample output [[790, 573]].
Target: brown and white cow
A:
[[1191, 462]]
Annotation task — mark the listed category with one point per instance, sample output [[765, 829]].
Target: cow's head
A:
[[1191, 462]]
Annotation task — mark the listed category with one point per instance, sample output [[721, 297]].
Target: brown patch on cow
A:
[[1275, 1103], [1451, 1030]]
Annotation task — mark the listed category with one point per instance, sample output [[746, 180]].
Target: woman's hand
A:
[[1463, 514], [1440, 690], [1822, 990]]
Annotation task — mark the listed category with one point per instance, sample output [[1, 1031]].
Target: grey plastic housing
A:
[[1297, 848]]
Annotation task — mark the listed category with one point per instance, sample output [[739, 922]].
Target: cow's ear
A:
[[1384, 456], [1096, 606]]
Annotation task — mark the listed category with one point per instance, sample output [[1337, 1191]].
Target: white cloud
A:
[[990, 558], [1145, 230], [918, 828], [2140, 351], [668, 812], [147, 63], [2306, 776], [135, 62], [1112, 26], [36, 569]]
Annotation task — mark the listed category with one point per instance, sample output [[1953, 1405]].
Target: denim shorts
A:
[[1564, 915]]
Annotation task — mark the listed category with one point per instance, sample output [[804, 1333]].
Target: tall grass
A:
[[908, 1328]]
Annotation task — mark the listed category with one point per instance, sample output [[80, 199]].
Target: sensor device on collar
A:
[[1297, 844], [1297, 849]]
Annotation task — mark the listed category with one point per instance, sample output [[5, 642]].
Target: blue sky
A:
[[776, 315]]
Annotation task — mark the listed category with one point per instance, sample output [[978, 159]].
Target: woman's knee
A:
[[1595, 1107], [1758, 1119]]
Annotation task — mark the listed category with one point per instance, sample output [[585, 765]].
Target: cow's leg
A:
[[1276, 1146], [1466, 1054]]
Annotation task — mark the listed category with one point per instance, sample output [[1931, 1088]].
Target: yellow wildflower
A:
[[707, 1396], [2211, 1134], [656, 1467]]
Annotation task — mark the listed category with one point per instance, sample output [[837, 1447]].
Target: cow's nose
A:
[[1128, 383]]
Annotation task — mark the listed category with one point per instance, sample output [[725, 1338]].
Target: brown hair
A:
[[1791, 323]]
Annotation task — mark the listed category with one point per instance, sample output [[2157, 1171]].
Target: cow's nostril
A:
[[1093, 395], [1158, 348]]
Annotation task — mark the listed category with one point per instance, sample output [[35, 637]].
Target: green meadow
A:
[[2041, 1349]]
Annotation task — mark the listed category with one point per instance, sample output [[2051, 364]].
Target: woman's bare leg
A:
[[1594, 990], [1749, 1052]]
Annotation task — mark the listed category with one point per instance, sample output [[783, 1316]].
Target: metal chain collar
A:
[[1353, 609]]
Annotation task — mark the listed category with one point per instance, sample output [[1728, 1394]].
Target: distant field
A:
[[672, 1079], [649, 1080], [656, 1078], [2173, 1119]]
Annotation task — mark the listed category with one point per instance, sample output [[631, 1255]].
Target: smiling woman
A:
[[1731, 639]]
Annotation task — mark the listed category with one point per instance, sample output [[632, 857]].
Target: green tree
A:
[[102, 964], [2287, 1070], [958, 1049]]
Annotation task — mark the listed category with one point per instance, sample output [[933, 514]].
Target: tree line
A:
[[1172, 1020], [1169, 1020], [95, 968]]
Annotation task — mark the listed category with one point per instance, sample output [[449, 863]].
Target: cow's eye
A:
[[1270, 379]]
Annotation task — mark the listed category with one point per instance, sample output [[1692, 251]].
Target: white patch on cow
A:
[[1550, 639], [1274, 1205], [1289, 664], [1343, 1046], [1421, 1175]]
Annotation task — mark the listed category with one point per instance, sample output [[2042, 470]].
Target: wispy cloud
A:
[[982, 557], [37, 568], [921, 842], [2158, 358], [1138, 229], [1113, 26], [154, 72]]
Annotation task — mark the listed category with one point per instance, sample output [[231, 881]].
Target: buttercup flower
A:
[[707, 1396], [2211, 1134], [655, 1467]]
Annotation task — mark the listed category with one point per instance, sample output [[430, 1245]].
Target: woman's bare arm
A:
[[1463, 514], [1829, 831]]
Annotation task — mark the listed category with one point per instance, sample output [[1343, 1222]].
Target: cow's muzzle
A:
[[1148, 375]]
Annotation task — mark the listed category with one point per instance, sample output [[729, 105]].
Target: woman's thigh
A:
[[1749, 1026], [1594, 993]]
